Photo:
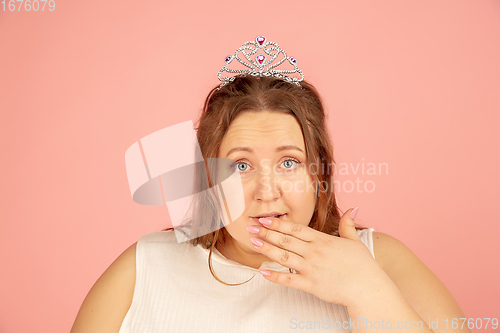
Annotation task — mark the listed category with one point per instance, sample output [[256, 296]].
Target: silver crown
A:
[[262, 64]]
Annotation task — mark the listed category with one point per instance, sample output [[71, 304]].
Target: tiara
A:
[[262, 64]]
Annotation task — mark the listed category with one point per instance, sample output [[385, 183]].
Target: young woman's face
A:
[[274, 173]]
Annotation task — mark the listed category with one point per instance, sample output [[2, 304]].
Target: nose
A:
[[268, 188]]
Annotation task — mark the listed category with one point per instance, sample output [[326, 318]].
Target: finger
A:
[[297, 230], [281, 256], [346, 225], [291, 280], [284, 241]]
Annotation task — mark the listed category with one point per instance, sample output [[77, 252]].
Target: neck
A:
[[232, 251]]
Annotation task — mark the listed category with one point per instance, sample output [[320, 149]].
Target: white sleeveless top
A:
[[175, 292]]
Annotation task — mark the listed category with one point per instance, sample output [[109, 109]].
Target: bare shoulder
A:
[[383, 244], [421, 288], [109, 299]]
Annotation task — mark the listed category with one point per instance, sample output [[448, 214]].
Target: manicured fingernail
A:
[[256, 242], [265, 221], [354, 213], [252, 229], [266, 273]]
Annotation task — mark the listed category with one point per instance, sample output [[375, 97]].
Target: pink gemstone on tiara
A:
[[293, 60], [260, 68], [261, 39], [260, 58], [227, 58]]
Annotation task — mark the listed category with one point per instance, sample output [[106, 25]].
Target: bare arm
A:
[[109, 299], [411, 293]]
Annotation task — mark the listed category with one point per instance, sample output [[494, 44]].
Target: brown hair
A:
[[256, 94]]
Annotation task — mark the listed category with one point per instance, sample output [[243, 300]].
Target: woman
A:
[[291, 260]]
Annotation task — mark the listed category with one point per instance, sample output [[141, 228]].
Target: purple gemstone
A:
[[260, 58], [261, 39], [293, 60], [227, 58]]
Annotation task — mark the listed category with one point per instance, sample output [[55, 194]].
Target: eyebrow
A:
[[250, 150]]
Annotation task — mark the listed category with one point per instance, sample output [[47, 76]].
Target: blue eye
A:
[[288, 160], [239, 163]]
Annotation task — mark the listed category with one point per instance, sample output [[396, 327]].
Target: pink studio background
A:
[[414, 84]]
